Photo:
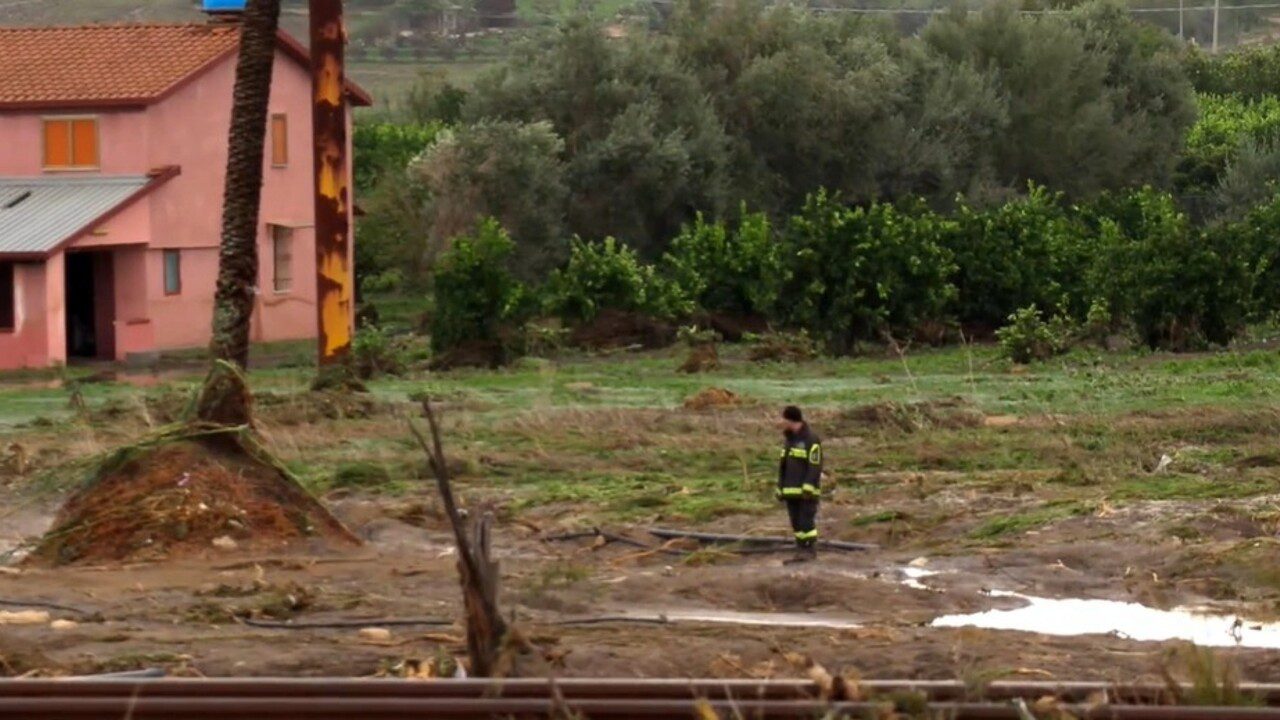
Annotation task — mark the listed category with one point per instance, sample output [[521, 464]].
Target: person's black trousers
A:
[[804, 520]]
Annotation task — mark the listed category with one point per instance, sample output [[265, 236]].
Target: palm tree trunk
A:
[[224, 399]]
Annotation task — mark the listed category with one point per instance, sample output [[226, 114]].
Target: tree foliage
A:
[[643, 148], [609, 275], [1093, 100], [1028, 251], [1250, 72], [730, 270], [1227, 124], [385, 148], [855, 273], [477, 297], [1180, 287], [510, 171], [737, 103]]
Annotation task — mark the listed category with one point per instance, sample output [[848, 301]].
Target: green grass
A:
[[1174, 486], [597, 439], [1029, 520]]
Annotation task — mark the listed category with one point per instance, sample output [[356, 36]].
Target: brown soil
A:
[[702, 358], [711, 398], [20, 657], [181, 615], [186, 498], [616, 329]]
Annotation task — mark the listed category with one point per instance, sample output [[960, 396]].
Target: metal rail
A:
[[106, 687], [281, 708]]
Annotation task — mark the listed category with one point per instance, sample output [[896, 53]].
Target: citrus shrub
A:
[[736, 271], [608, 275], [477, 298], [853, 274]]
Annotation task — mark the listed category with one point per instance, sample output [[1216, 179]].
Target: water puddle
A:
[[913, 575], [1050, 616], [731, 617]]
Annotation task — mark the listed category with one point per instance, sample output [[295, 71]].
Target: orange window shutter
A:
[[279, 140], [57, 143], [84, 143]]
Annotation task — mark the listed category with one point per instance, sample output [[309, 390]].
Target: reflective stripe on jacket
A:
[[800, 467]]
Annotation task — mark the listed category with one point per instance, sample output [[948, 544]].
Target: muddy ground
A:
[[963, 496], [184, 615]]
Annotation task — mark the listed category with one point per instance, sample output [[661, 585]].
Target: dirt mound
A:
[[183, 498], [617, 329], [712, 398], [912, 417], [702, 358], [731, 327], [784, 347]]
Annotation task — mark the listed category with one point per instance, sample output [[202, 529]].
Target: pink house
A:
[[113, 150]]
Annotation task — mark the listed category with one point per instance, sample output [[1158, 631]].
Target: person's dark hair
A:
[[792, 413]]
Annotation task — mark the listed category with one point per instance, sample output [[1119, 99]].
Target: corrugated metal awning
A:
[[38, 214]]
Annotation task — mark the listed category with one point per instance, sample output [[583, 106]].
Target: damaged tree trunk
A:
[[477, 570], [224, 398]]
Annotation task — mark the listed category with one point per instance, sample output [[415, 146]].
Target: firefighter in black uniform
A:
[[799, 475]]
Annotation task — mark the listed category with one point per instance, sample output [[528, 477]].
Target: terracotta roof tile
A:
[[105, 63], [117, 64]]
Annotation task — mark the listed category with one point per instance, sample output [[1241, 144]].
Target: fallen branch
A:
[[479, 573], [668, 534], [608, 537]]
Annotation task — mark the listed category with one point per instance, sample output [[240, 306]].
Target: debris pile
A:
[[183, 498], [712, 397]]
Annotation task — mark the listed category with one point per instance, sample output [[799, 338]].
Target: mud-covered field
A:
[[1147, 481]]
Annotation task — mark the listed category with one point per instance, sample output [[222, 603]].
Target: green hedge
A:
[[845, 275]]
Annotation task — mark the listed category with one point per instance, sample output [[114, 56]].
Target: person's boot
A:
[[804, 554]]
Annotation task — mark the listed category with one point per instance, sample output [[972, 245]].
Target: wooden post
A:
[[335, 279]]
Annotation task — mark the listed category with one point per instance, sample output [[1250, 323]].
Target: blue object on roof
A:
[[224, 6]]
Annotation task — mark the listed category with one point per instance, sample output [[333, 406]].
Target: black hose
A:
[[43, 605], [339, 624]]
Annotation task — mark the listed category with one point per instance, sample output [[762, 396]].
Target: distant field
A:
[[388, 81]]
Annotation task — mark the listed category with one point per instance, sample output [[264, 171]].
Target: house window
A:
[[279, 140], [8, 301], [172, 272], [282, 256], [71, 144]]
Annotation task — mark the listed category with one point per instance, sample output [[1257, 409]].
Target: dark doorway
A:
[[90, 306]]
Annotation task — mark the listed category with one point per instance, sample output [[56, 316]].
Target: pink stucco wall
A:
[[186, 213], [28, 344], [189, 130], [122, 146]]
